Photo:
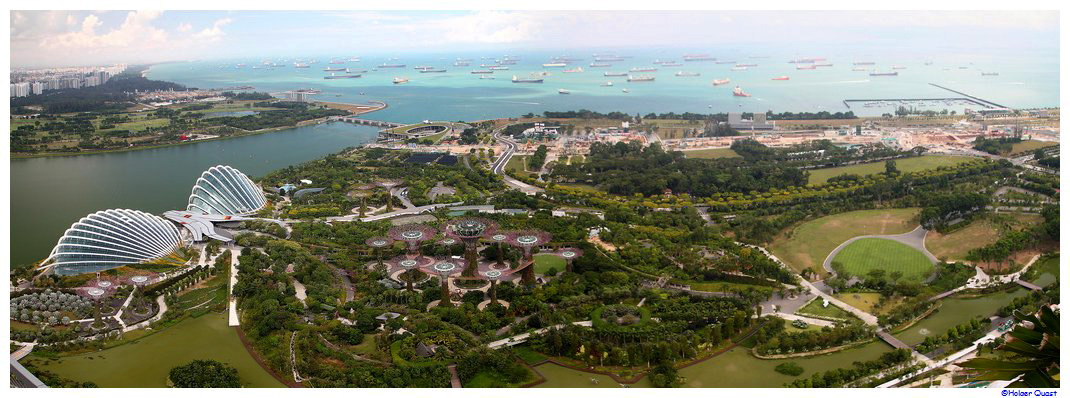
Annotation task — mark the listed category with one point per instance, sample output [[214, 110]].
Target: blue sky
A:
[[67, 38]]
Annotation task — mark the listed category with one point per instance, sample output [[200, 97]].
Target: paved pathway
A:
[[232, 318], [22, 351], [520, 338], [915, 239], [455, 380], [812, 321]]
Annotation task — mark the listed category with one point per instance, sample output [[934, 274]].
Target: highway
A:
[[498, 167]]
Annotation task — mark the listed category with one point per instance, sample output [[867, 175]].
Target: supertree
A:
[[499, 240], [139, 282], [569, 254], [469, 230], [362, 192], [97, 293], [493, 276], [444, 269], [411, 267], [390, 185], [378, 243], [412, 235], [527, 240]]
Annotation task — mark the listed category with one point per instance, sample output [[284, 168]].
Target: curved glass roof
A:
[[112, 238], [225, 191]]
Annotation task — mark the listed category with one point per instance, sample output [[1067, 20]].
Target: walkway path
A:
[[930, 365], [812, 321], [232, 318], [915, 239], [23, 351], [455, 380], [520, 338]]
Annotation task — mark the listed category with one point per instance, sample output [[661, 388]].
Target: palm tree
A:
[[1034, 354]]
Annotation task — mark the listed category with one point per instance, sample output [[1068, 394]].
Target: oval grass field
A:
[[864, 255]]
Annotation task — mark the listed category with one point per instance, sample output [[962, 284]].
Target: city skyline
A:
[[56, 38]]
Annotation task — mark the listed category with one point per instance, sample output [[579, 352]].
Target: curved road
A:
[[498, 167]]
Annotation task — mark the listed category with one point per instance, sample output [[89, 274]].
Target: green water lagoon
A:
[[955, 311], [146, 362]]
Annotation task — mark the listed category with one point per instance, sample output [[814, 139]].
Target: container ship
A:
[[577, 70], [334, 76], [554, 65], [392, 66], [687, 74], [781, 78], [698, 57], [640, 78], [401, 80], [527, 80], [718, 82], [482, 72], [610, 74], [644, 70], [875, 73], [598, 65], [432, 70], [738, 92]]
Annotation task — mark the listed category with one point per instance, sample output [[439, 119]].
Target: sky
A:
[[80, 38]]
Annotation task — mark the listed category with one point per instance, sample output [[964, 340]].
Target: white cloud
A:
[[215, 32], [136, 29], [184, 27], [90, 23]]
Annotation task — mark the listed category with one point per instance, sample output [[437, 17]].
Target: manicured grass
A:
[[864, 255], [1030, 145], [528, 355], [711, 153], [582, 187], [919, 163], [517, 163], [545, 261], [146, 362], [722, 286], [558, 376], [809, 243], [816, 309], [868, 301], [1047, 271]]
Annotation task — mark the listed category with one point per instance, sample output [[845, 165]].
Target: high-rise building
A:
[[20, 89], [92, 81], [37, 88]]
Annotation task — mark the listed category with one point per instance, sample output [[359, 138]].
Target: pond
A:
[[956, 311], [146, 362], [230, 113]]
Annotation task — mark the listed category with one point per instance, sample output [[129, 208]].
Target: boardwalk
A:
[[1028, 285], [455, 381], [891, 340], [232, 318]]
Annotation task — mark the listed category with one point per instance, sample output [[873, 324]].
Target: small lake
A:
[[231, 113]]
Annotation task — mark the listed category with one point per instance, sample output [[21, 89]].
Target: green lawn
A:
[[722, 286], [815, 308], [528, 355], [1030, 145], [711, 153], [545, 261], [864, 255], [807, 245], [146, 362], [517, 163], [919, 163]]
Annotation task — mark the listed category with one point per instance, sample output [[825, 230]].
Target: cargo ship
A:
[[875, 73], [989, 73], [672, 64], [859, 69], [482, 72], [423, 67], [334, 76], [563, 91], [527, 80], [606, 84], [718, 82], [895, 67], [644, 70], [739, 68], [392, 66], [610, 74], [698, 57], [499, 68], [687, 74], [608, 59], [577, 70], [554, 65], [598, 65], [805, 67], [864, 63], [333, 69], [822, 65], [401, 80], [781, 78], [724, 62], [432, 70], [461, 63], [746, 65], [337, 61], [738, 92], [300, 66], [640, 78], [486, 77]]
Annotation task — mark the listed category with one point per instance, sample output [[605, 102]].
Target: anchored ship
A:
[[527, 80], [334, 76], [738, 92], [392, 66], [718, 82], [781, 78], [805, 67], [989, 73], [746, 65], [401, 80], [482, 72], [599, 65], [499, 68], [432, 70], [640, 78], [698, 57], [864, 63], [554, 65], [563, 91], [875, 73], [461, 63], [686, 74], [644, 70], [607, 84], [608, 74], [577, 70], [333, 69]]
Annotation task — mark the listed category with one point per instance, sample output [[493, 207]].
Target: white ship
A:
[[401, 80]]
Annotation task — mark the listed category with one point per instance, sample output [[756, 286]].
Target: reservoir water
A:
[[49, 194]]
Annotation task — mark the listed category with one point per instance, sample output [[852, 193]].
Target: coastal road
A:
[[498, 167]]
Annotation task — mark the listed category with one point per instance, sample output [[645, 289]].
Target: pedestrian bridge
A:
[[365, 122]]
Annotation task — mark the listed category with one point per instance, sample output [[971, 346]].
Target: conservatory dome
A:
[[112, 238], [225, 191]]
